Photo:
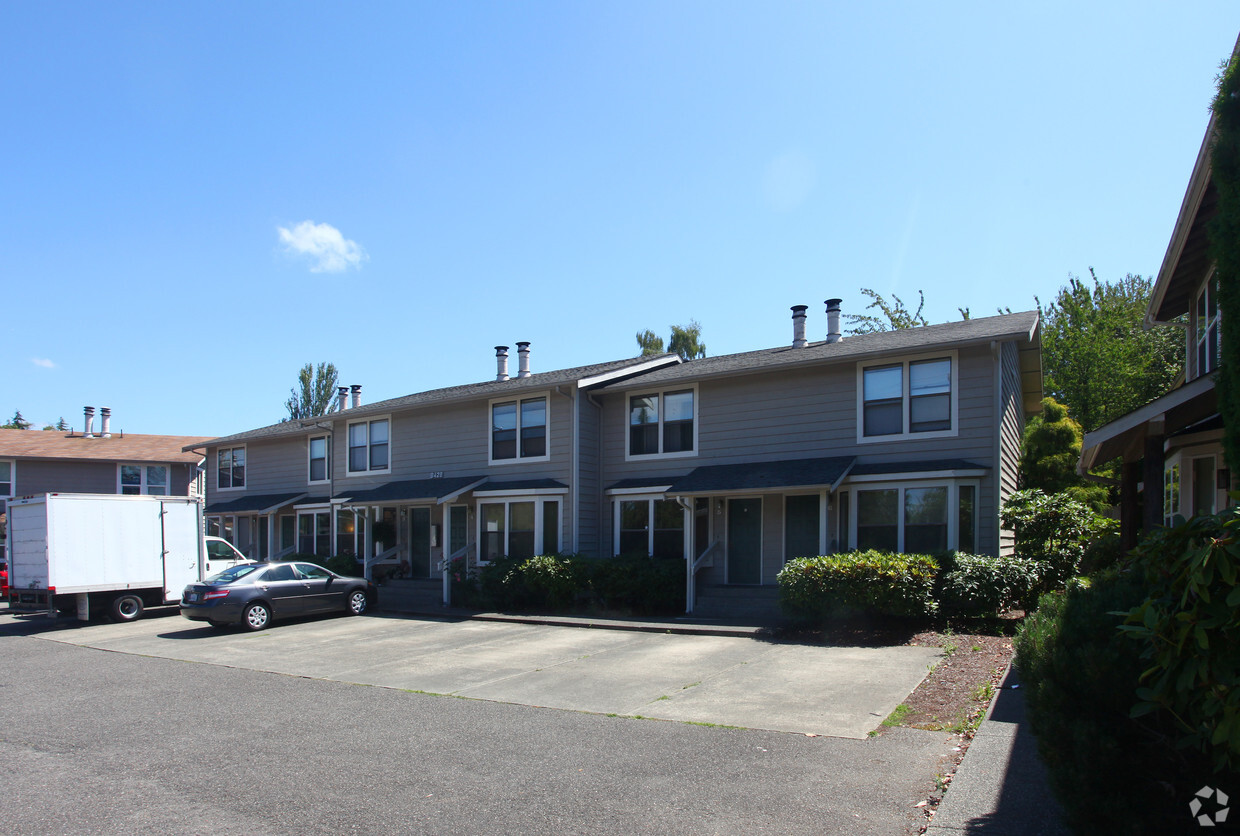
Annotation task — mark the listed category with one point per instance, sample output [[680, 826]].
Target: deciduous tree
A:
[[1098, 359], [316, 386]]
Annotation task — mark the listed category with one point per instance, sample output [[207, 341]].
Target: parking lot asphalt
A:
[[749, 682]]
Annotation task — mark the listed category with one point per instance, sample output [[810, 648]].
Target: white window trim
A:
[[539, 534], [328, 469], [1188, 498], [953, 507], [649, 498], [1175, 461], [12, 463], [660, 391], [142, 484], [368, 420], [219, 521], [905, 360], [1194, 343], [311, 511], [517, 459], [216, 456]]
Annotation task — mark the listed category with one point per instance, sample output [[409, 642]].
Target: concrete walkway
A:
[[1001, 786]]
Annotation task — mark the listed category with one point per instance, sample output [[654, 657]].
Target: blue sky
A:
[[200, 198]]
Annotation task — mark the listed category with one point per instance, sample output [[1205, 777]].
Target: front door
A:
[[420, 542], [744, 541]]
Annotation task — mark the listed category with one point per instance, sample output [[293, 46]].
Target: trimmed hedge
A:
[[572, 583], [981, 585], [819, 588]]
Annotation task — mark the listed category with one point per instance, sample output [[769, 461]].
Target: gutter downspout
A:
[[575, 492]]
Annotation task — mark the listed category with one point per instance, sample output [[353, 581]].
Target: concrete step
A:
[[748, 603]]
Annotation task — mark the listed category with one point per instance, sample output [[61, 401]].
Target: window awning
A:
[[517, 487], [259, 504], [412, 490], [644, 484], [765, 476]]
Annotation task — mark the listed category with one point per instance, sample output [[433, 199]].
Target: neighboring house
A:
[[43, 461], [902, 440], [1172, 448]]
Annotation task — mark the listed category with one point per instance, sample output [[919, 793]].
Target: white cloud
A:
[[789, 180], [43, 362], [327, 249]]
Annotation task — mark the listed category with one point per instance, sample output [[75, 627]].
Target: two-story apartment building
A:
[[903, 440], [43, 461], [1172, 448]]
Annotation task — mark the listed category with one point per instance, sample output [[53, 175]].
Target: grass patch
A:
[[897, 715]]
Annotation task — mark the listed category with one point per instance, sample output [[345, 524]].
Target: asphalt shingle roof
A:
[[411, 489], [901, 341], [253, 504], [55, 444], [487, 389], [792, 473]]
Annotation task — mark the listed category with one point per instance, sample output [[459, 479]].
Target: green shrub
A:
[[340, 564], [637, 585], [1054, 531], [819, 588], [1188, 631], [981, 585], [1112, 773]]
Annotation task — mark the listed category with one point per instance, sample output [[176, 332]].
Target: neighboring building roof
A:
[[1188, 253], [120, 447], [793, 473], [1192, 402], [262, 504], [1016, 326], [592, 375]]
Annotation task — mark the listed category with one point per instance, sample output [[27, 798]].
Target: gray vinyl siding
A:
[[803, 413], [453, 440], [1011, 430], [34, 477], [588, 490], [806, 413]]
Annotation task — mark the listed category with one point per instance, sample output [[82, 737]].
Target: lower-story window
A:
[[225, 527], [914, 519], [653, 527], [518, 528], [314, 532]]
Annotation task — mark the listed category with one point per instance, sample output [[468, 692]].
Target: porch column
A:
[[368, 541], [443, 559], [271, 536], [1152, 473], [1129, 506]]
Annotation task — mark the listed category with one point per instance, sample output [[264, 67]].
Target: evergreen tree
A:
[[315, 390]]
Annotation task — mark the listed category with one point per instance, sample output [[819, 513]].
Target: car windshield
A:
[[234, 573]]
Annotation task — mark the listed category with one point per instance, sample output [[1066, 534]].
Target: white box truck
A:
[[78, 553]]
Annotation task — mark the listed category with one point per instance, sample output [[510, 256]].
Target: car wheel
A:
[[357, 602], [127, 607], [256, 617]]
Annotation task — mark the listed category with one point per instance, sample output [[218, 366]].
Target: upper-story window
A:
[[230, 468], [149, 479], [6, 479], [319, 453], [368, 446], [907, 398], [662, 423], [519, 429], [1207, 333]]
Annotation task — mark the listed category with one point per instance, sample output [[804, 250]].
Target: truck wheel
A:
[[255, 617], [127, 607], [357, 602]]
